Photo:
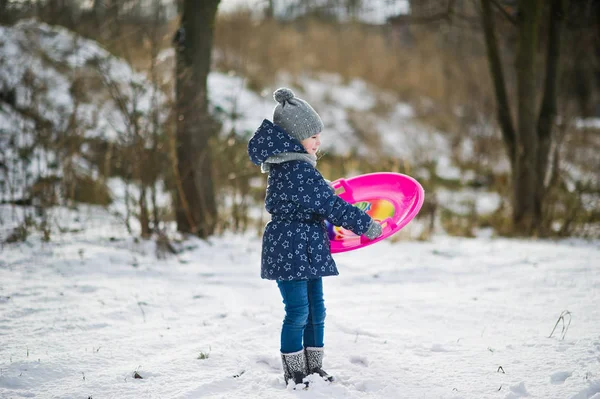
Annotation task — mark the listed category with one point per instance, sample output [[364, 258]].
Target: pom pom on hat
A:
[[295, 115], [283, 94]]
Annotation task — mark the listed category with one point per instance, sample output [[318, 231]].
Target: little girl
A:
[[295, 249]]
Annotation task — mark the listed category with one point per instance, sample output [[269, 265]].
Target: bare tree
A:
[[196, 205], [4, 11], [530, 139]]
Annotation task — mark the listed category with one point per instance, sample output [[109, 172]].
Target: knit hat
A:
[[295, 115]]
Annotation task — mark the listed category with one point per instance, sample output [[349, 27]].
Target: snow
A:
[[242, 110], [589, 123], [83, 312], [463, 202]]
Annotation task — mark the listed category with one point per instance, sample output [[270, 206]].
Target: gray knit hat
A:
[[295, 115]]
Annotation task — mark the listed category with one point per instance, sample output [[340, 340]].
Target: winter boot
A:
[[314, 358], [294, 367]]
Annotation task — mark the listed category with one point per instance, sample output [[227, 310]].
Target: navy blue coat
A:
[[299, 199]]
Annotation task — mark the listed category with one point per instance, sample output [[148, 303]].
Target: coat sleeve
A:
[[317, 196]]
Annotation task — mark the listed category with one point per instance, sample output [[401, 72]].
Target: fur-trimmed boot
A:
[[294, 367], [314, 358]]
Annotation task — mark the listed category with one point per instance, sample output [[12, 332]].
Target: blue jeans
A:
[[304, 322]]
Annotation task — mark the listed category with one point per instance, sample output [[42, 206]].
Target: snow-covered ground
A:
[[450, 318]]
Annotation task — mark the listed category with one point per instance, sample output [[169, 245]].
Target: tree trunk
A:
[[497, 74], [270, 11], [144, 217], [525, 176], [195, 126], [528, 145], [4, 14], [549, 108]]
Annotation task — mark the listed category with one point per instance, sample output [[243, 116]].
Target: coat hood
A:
[[270, 139]]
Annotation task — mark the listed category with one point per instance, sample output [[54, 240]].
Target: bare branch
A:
[[419, 20], [509, 17]]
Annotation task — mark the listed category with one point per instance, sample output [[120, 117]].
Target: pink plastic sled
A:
[[393, 199]]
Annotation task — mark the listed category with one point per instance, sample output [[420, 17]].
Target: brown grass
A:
[[427, 68]]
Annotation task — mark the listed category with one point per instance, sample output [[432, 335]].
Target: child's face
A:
[[311, 144]]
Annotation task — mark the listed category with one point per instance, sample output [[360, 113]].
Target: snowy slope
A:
[[54, 84], [43, 63], [80, 315]]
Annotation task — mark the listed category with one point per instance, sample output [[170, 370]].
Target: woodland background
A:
[[512, 87]]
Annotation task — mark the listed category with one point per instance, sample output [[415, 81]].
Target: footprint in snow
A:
[[270, 362], [560, 376], [359, 360]]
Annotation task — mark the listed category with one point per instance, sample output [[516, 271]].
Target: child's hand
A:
[[375, 230]]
